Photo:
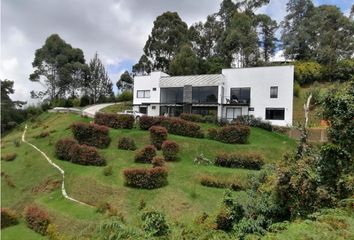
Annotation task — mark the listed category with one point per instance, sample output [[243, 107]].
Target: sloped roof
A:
[[194, 80]]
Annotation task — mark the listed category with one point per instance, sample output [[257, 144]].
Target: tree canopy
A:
[[185, 62]]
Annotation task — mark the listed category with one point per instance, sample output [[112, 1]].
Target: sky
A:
[[116, 29]]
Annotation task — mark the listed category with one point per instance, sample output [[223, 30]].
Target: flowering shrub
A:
[[239, 160], [234, 134], [126, 143], [157, 136], [63, 147], [8, 218], [115, 120], [86, 155], [146, 154], [37, 219], [170, 150], [146, 178], [158, 162], [91, 134]]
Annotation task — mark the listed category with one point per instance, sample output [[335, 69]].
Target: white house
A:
[[265, 92]]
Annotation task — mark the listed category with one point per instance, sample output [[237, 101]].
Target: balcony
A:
[[236, 102]]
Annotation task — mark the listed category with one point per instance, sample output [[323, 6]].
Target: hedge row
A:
[[198, 118], [8, 218], [146, 178], [37, 219], [239, 160], [70, 150], [113, 120], [212, 181], [91, 134], [230, 134], [146, 154], [157, 136], [173, 125]]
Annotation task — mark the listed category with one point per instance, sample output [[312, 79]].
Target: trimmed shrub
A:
[[91, 134], [239, 160], [108, 171], [158, 162], [86, 155], [191, 117], [154, 223], [253, 122], [126, 143], [212, 181], [212, 133], [37, 219], [234, 134], [63, 147], [157, 136], [146, 178], [9, 157], [170, 150], [8, 218], [114, 120], [173, 125], [146, 154]]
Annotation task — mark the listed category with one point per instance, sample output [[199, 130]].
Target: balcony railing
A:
[[236, 102]]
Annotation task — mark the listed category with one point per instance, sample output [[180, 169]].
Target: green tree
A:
[[185, 62], [144, 66], [167, 35], [267, 40], [56, 63], [97, 84], [125, 82]]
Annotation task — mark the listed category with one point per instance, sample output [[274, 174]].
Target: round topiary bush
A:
[[126, 143], [37, 219], [86, 155], [157, 136], [158, 162], [170, 150], [63, 147], [146, 154]]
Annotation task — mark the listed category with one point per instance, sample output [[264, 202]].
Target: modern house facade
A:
[[265, 92]]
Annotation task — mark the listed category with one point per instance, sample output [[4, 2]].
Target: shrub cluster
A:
[[126, 143], [154, 223], [146, 154], [231, 134], [146, 178], [199, 118], [91, 134], [239, 160], [70, 150], [37, 219], [173, 125], [157, 136], [8, 218], [9, 157], [212, 181], [158, 162], [170, 150], [115, 120]]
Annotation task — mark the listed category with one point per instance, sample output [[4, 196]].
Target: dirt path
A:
[[63, 191]]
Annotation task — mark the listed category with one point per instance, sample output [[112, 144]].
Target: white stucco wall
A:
[[260, 79]]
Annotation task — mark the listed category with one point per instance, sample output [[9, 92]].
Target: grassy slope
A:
[[182, 199], [119, 107]]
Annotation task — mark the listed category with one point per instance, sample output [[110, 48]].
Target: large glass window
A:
[[171, 111], [273, 92], [275, 113], [205, 110], [240, 95], [205, 94], [143, 94], [171, 95]]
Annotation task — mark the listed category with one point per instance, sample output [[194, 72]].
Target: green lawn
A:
[[118, 107], [182, 199]]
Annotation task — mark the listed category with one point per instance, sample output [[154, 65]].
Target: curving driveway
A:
[[91, 110]]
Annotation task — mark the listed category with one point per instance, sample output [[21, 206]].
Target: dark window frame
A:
[[144, 93], [274, 90], [178, 95], [270, 114], [241, 98]]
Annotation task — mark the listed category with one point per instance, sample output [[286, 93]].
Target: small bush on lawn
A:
[[146, 178], [126, 143], [37, 219], [114, 120], [157, 136], [86, 155], [9, 157], [108, 171], [146, 154], [170, 150], [91, 134], [154, 223], [158, 162], [62, 148], [239, 160], [8, 218], [234, 134], [212, 181]]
